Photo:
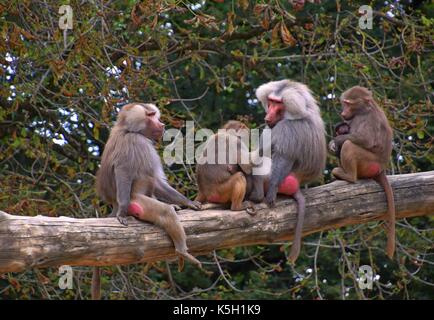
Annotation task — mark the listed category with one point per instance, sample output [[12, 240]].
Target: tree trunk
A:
[[29, 242]]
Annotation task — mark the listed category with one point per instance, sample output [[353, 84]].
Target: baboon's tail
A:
[[296, 244], [384, 182]]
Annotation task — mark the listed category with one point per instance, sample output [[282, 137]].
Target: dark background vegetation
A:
[[201, 61]]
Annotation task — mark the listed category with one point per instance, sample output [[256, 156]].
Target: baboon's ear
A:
[[369, 101]]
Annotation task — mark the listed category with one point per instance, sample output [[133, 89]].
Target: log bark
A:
[[37, 242]]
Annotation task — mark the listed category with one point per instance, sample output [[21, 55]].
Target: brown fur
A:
[[368, 142], [226, 181]]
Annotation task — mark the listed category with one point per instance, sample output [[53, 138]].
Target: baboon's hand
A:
[[123, 220], [195, 205], [270, 199], [332, 146], [122, 217], [176, 207]]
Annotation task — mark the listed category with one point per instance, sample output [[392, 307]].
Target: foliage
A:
[[60, 91]]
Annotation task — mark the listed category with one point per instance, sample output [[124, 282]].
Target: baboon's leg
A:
[[163, 215]]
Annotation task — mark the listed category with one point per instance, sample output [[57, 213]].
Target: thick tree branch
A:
[[28, 242]]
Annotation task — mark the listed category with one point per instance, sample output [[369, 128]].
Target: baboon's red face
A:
[[275, 112], [154, 127], [348, 109]]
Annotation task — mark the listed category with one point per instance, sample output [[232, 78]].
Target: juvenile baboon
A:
[[225, 183], [366, 148]]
